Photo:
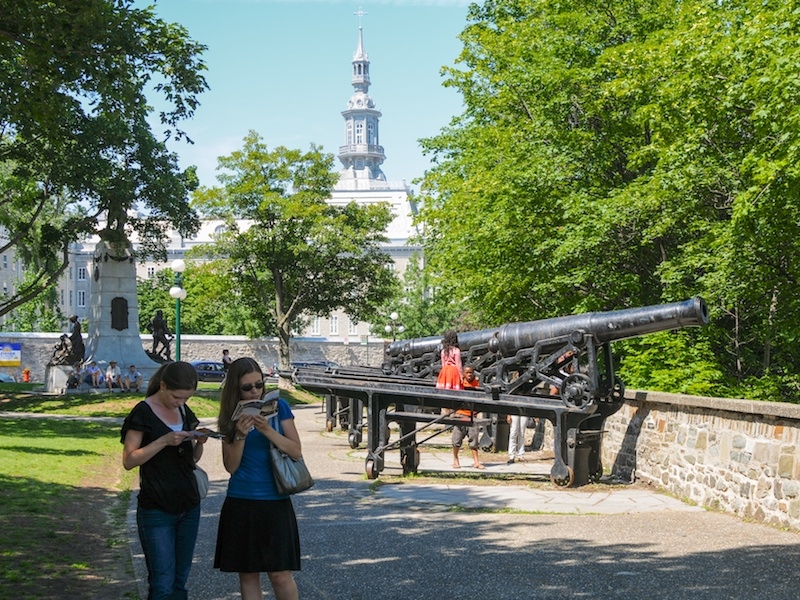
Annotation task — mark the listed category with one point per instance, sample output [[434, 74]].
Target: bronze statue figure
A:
[[161, 336]]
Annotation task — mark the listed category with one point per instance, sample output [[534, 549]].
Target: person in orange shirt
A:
[[470, 381]]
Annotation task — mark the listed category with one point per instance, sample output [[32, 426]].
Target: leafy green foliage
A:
[[422, 309], [76, 149], [295, 255], [43, 313], [628, 154]]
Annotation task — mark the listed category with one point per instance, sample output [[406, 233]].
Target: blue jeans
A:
[[168, 543]]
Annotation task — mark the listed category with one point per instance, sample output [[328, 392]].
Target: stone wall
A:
[[737, 456], [37, 350]]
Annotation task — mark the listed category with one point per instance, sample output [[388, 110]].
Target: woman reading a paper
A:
[[159, 438], [257, 526]]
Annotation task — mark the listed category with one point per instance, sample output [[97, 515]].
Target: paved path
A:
[[418, 541]]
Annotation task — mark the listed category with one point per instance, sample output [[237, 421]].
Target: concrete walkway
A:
[[525, 539]]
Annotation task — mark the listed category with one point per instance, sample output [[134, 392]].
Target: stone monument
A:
[[113, 332]]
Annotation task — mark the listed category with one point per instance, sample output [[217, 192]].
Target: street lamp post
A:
[[179, 293], [394, 327]]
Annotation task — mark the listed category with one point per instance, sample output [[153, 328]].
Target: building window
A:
[[5, 261], [359, 133], [333, 325], [349, 132], [352, 327], [81, 273], [151, 272], [371, 133], [62, 297], [70, 297], [219, 230], [81, 298], [315, 326]]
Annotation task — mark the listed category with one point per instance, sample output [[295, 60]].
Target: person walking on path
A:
[[451, 373], [471, 431], [257, 526], [157, 437]]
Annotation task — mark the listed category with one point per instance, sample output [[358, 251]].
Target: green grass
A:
[[64, 494], [58, 479]]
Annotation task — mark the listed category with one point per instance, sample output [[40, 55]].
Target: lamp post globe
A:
[[178, 292], [178, 265], [394, 327]]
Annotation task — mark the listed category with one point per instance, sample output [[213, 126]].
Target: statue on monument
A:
[[70, 348], [75, 337], [161, 336], [61, 351]]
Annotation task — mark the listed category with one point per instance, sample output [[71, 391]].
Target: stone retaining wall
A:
[[37, 350], [737, 456]]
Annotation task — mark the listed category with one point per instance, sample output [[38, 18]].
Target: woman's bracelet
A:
[[239, 438]]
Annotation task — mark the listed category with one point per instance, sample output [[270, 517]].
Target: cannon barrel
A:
[[602, 326]]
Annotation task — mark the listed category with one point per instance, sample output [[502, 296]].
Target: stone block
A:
[[790, 488], [786, 465]]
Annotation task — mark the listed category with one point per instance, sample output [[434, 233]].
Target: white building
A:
[[361, 180]]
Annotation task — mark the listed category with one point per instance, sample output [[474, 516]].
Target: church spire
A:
[[362, 155]]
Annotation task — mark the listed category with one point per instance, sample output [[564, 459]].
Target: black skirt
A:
[[257, 536]]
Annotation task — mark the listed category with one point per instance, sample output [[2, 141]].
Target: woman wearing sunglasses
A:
[[257, 526]]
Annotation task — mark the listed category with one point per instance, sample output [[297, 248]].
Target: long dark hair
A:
[[231, 395], [449, 341], [175, 375]]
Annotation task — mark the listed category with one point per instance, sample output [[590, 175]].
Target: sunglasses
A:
[[249, 386]]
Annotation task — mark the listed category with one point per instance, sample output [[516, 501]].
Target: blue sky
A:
[[282, 68]]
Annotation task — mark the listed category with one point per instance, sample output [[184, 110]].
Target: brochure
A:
[[266, 406], [205, 431]]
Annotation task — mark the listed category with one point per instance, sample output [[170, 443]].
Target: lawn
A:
[[65, 495]]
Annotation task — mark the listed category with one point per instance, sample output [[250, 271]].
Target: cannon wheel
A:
[[576, 391], [371, 469], [354, 439], [565, 482], [329, 425]]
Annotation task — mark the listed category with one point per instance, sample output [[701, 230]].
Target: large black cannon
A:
[[560, 369]]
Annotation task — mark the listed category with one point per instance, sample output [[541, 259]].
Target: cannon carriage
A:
[[559, 369]]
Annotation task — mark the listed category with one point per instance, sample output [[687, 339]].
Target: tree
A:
[[76, 149], [40, 314], [423, 310], [296, 256], [627, 154], [208, 308]]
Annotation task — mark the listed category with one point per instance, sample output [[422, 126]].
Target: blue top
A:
[[253, 480]]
